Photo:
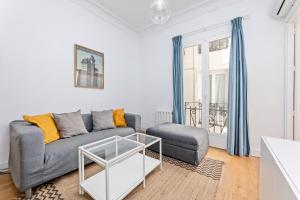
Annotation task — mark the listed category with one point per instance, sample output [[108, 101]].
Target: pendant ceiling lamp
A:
[[159, 12]]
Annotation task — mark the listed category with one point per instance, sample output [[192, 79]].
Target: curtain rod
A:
[[246, 17]]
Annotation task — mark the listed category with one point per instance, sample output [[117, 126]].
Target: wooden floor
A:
[[239, 178]]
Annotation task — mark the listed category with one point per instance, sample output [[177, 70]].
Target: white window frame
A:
[[292, 109], [203, 39], [289, 82]]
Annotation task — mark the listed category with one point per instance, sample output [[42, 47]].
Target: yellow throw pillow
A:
[[119, 118], [47, 124]]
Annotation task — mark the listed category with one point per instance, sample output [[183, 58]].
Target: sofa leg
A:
[[28, 193]]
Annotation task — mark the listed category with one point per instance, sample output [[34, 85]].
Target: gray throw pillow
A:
[[103, 120], [69, 124]]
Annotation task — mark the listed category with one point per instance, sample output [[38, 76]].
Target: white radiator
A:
[[162, 117]]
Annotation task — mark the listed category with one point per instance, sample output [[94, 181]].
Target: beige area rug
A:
[[176, 181]]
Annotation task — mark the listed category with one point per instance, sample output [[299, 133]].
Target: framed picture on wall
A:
[[88, 68]]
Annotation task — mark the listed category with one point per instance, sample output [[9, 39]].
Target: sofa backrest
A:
[[88, 122]]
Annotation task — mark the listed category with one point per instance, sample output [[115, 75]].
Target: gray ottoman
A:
[[185, 143]]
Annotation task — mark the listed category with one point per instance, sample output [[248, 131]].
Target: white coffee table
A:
[[125, 167], [148, 140]]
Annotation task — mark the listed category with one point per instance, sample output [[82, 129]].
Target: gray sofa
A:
[[185, 143], [32, 162]]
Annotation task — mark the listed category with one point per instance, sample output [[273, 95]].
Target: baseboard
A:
[[218, 140], [255, 153], [3, 165]]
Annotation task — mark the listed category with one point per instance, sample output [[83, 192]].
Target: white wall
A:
[[264, 37], [36, 61]]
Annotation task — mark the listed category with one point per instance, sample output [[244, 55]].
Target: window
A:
[[218, 84], [206, 67], [193, 84]]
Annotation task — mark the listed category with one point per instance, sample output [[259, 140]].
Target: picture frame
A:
[[88, 68]]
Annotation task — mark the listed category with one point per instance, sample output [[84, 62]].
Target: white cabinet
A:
[[279, 169]]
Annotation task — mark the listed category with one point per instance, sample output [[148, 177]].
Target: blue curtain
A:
[[237, 138], [178, 104]]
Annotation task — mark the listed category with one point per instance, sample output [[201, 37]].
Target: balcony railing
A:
[[217, 116]]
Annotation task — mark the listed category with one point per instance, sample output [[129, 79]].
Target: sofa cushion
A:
[[119, 117], [88, 122], [69, 124], [62, 156], [183, 136], [47, 124], [103, 120]]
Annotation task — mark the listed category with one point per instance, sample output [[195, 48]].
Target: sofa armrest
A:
[[133, 121], [26, 156]]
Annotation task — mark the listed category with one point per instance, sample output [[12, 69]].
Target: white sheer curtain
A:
[[220, 88]]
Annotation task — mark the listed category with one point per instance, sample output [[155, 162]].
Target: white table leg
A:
[[160, 153], [107, 182], [144, 169], [81, 171]]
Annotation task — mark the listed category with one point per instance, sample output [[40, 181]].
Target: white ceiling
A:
[[135, 13]]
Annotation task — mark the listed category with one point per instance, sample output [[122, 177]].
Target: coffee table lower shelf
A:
[[124, 177]]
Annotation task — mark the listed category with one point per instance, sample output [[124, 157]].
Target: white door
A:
[[206, 67]]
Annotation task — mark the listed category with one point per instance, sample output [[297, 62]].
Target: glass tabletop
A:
[[143, 138], [111, 148]]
